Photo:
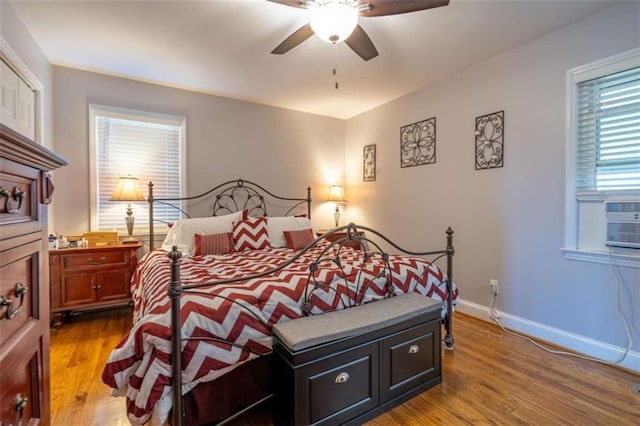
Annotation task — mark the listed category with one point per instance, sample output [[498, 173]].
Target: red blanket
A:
[[242, 313]]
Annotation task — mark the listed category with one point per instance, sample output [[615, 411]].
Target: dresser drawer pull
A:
[[100, 261], [18, 195], [413, 349], [20, 404], [342, 377], [20, 290]]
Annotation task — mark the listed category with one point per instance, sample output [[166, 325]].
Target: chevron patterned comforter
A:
[[243, 313]]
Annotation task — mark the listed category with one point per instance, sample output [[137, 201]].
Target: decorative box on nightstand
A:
[[355, 244], [89, 278]]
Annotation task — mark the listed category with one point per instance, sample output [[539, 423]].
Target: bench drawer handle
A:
[[413, 349], [342, 378], [100, 261]]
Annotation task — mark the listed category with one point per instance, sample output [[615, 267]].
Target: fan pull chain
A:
[[335, 66]]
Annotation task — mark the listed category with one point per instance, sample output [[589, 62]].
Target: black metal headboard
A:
[[230, 197]]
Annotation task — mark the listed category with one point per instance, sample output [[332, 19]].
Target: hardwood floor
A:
[[490, 378]]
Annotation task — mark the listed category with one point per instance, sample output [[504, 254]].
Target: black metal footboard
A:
[[369, 240]]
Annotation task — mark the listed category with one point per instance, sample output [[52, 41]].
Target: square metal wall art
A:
[[418, 143], [490, 141], [369, 163]]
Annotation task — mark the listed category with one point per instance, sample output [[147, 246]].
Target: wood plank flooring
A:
[[490, 378]]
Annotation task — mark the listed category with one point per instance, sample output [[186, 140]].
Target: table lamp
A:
[[127, 190], [337, 196]]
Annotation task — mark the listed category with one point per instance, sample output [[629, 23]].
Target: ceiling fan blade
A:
[[360, 43], [293, 3], [395, 7], [293, 40]]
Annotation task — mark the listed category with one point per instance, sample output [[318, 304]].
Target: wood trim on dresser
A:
[[24, 315]]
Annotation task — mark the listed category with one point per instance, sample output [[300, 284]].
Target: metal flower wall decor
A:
[[418, 143], [369, 163], [490, 141]]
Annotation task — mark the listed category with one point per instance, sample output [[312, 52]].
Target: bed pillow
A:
[[277, 225], [213, 244], [251, 234], [182, 233], [298, 239]]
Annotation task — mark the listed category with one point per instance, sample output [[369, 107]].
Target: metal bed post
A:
[[309, 202], [448, 338], [150, 201], [175, 292]]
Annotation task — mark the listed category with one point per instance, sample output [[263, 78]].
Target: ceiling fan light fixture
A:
[[334, 21]]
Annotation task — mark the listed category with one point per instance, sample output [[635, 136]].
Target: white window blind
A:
[[142, 146], [608, 132]]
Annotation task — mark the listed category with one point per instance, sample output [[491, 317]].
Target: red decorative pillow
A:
[[251, 234], [213, 244], [298, 239]]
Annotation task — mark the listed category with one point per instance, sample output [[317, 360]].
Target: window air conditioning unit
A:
[[623, 224]]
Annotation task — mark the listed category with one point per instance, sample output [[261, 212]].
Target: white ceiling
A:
[[222, 46]]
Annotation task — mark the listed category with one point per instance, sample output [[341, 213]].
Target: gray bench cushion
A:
[[305, 332]]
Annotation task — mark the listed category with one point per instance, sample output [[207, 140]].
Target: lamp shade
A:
[[127, 190], [337, 194], [334, 20]]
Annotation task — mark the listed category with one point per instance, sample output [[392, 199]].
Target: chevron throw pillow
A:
[[213, 244], [251, 234]]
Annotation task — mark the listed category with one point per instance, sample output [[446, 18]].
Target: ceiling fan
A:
[[337, 20]]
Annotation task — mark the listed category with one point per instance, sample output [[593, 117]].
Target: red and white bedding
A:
[[139, 368]]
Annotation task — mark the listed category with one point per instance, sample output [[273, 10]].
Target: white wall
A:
[[508, 222], [283, 150]]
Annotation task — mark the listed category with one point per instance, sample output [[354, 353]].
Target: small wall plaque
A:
[[418, 143], [369, 163], [490, 141]]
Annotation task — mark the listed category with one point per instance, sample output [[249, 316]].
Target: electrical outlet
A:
[[494, 286]]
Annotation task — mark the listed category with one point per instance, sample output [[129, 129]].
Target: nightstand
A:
[[95, 277], [342, 234]]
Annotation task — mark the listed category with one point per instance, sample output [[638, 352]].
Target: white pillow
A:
[[277, 225], [182, 233]]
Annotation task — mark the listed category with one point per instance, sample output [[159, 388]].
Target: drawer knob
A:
[[20, 290], [342, 377], [20, 404], [413, 349], [100, 261]]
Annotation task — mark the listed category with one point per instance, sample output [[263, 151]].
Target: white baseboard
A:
[[575, 342]]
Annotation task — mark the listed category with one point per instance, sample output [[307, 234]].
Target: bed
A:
[[218, 284]]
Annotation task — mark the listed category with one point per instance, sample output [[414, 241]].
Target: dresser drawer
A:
[[94, 260], [20, 398], [19, 269], [409, 359]]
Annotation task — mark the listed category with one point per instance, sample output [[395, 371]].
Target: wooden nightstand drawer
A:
[[94, 260]]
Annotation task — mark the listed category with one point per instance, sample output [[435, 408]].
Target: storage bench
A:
[[350, 365]]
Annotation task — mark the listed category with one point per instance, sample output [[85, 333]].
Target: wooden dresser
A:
[[25, 191], [91, 278]]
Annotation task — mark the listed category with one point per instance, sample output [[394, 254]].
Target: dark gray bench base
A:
[[351, 365]]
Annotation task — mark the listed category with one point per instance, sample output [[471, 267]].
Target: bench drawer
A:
[[343, 386], [330, 390], [409, 359]]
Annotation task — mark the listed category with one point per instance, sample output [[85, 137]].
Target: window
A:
[[603, 153], [608, 132], [150, 147]]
